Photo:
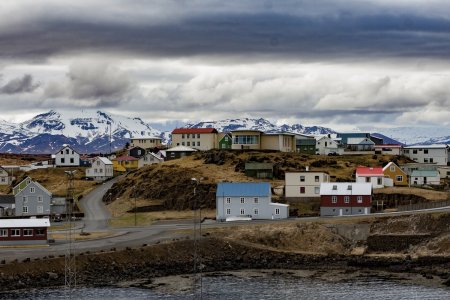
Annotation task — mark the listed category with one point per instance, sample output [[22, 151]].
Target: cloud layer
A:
[[328, 62]]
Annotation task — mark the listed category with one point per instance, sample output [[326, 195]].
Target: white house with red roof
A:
[[373, 175], [197, 138]]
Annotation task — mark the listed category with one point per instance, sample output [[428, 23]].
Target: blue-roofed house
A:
[[237, 200]]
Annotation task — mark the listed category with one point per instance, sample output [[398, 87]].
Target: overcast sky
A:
[[335, 63]]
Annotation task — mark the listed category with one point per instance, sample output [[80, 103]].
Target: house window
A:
[[347, 199], [198, 144], [255, 211], [392, 168], [187, 135], [182, 136], [335, 187], [3, 232], [228, 211], [228, 200], [367, 179], [40, 209], [40, 231], [72, 160], [63, 160], [242, 200], [256, 200], [67, 151], [198, 135], [302, 190], [399, 178], [380, 180], [333, 199], [25, 209], [359, 199], [188, 143], [425, 151], [302, 178], [277, 211], [15, 232], [32, 190], [415, 151], [316, 178], [316, 190], [62, 152], [242, 211], [24, 199], [40, 199], [425, 160], [182, 143], [28, 232], [431, 160]]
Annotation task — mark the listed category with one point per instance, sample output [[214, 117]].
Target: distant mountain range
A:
[[91, 131]]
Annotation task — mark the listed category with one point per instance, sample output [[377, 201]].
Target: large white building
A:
[[304, 185], [437, 154]]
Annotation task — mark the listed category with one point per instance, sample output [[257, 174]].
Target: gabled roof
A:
[[38, 185], [243, 189], [345, 188], [151, 154], [386, 167], [21, 184], [125, 158], [369, 171], [104, 160], [181, 149], [425, 173], [67, 146], [21, 223], [194, 130]]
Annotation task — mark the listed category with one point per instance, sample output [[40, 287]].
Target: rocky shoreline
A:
[[147, 263]]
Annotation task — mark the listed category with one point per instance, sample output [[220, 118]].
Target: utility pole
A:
[[197, 255], [70, 278]]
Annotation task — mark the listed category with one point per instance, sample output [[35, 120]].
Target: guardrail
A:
[[426, 205]]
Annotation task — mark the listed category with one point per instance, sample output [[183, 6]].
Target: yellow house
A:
[[146, 142], [125, 163], [398, 176]]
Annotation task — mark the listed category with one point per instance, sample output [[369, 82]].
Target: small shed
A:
[[179, 152], [259, 170], [15, 232]]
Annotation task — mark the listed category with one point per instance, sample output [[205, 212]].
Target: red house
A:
[[23, 231], [345, 198]]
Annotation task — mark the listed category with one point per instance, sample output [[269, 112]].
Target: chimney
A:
[[307, 168]]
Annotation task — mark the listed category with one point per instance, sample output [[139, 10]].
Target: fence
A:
[[426, 205]]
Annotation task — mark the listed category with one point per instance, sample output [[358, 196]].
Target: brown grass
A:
[[425, 193]]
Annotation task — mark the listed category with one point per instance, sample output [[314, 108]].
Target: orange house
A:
[[398, 176]]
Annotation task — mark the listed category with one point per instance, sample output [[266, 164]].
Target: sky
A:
[[335, 63]]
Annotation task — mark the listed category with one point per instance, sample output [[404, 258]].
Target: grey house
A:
[[235, 200], [32, 200]]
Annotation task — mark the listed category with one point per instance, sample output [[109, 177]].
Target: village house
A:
[[31, 199], [326, 145], [437, 154], [137, 152], [258, 140], [372, 175], [396, 174], [360, 144], [102, 169], [179, 152], [345, 198], [419, 177], [67, 157], [251, 200], [125, 163], [259, 170], [5, 177], [15, 232], [305, 144], [146, 142], [304, 185], [246, 139], [197, 138], [225, 140], [149, 159]]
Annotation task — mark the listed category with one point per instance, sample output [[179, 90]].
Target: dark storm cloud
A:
[[280, 35], [19, 85]]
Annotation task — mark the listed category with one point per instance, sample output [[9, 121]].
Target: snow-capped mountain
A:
[[87, 131], [418, 135], [264, 125]]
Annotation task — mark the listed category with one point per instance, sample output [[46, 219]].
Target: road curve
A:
[[96, 215]]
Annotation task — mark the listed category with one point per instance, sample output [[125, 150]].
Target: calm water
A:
[[277, 287]]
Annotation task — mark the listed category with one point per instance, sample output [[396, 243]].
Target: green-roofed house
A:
[[20, 186], [418, 177]]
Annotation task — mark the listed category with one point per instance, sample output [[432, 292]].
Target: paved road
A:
[[96, 215]]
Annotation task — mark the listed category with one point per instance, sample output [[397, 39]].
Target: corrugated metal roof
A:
[[22, 223], [194, 130], [369, 171], [424, 173], [243, 189], [345, 188], [105, 160]]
